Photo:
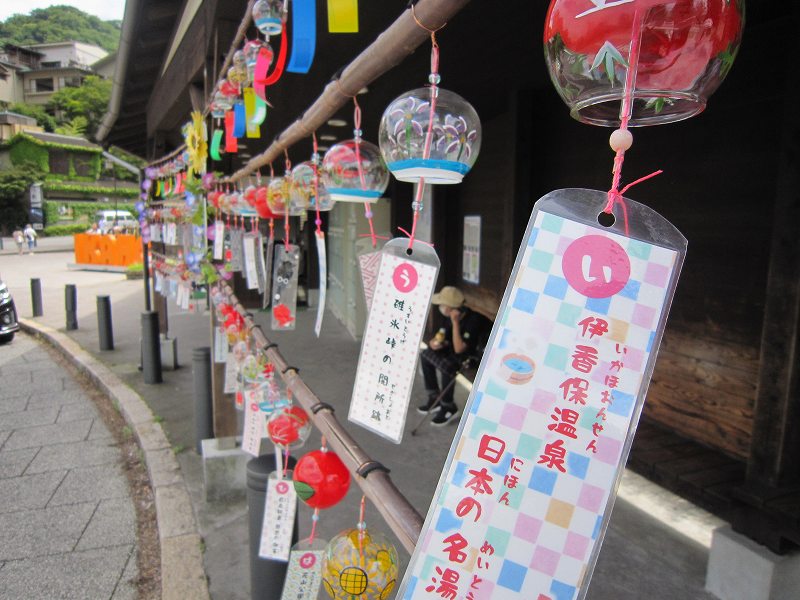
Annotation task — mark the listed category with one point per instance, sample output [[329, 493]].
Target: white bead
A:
[[621, 139]]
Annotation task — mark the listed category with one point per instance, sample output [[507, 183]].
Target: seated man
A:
[[447, 350]]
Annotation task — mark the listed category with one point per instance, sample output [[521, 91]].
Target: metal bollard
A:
[[71, 306], [105, 329], [266, 576], [203, 409], [151, 348], [36, 297]]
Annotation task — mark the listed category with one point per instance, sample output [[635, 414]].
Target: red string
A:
[[318, 220], [367, 208], [614, 196], [314, 520], [426, 153], [286, 227]]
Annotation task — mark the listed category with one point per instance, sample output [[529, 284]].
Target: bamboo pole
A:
[[388, 50], [376, 484]]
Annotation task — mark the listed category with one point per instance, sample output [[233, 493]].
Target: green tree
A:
[[43, 119], [76, 127], [14, 183], [89, 101], [60, 24]]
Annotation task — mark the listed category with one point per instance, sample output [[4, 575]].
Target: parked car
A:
[[108, 219], [8, 315]]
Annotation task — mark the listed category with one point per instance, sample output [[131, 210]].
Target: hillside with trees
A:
[[59, 24]]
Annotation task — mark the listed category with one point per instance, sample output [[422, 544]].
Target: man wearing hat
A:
[[446, 351]]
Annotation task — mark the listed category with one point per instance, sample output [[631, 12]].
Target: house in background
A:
[[34, 73], [76, 180], [12, 123]]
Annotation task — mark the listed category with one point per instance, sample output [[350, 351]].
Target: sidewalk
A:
[[67, 521], [656, 546], [45, 244]]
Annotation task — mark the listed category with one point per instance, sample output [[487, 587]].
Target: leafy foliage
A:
[[81, 211], [60, 24], [89, 190], [14, 183], [28, 152], [58, 230], [75, 127], [89, 101], [43, 119]]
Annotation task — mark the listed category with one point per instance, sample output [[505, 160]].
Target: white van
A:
[[108, 219]]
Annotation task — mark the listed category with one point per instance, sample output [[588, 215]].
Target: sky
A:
[[105, 9]]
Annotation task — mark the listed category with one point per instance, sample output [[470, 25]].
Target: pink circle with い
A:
[[405, 278], [596, 266], [282, 487], [308, 560]]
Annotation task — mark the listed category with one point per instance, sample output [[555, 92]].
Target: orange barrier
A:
[[118, 250]]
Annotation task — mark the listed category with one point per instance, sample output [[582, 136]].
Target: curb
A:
[[182, 572]]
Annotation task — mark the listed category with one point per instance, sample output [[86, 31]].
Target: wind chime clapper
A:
[[370, 475]]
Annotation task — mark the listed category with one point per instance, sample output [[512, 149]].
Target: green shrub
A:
[[56, 230], [136, 267]]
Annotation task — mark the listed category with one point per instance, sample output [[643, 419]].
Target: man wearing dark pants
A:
[[446, 352]]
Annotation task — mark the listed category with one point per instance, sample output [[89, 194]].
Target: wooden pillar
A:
[[773, 465], [224, 412]]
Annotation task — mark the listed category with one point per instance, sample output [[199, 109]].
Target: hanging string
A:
[[315, 163], [362, 527], [285, 191], [434, 78], [621, 139], [314, 521], [357, 138]]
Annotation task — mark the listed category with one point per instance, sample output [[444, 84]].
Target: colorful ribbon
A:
[[231, 143], [343, 16], [216, 140], [304, 35], [239, 120], [253, 129]]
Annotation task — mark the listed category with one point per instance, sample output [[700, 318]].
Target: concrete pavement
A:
[[45, 245], [67, 521], [656, 547]]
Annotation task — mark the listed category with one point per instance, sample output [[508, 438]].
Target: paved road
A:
[[67, 523]]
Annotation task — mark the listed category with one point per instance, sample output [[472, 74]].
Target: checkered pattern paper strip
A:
[[520, 509]]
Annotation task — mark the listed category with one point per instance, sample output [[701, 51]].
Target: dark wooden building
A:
[[722, 421]]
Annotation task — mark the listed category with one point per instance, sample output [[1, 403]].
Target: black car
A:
[[8, 315]]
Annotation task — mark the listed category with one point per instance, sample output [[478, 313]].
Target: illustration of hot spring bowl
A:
[[516, 368]]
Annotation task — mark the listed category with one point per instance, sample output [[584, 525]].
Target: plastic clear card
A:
[[269, 250], [390, 346], [284, 287], [237, 250], [220, 346], [280, 507], [323, 281], [532, 474], [261, 269], [231, 374], [219, 240], [304, 574], [155, 233], [255, 424], [249, 253]]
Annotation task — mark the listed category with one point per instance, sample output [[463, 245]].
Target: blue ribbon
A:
[[239, 120], [304, 35]]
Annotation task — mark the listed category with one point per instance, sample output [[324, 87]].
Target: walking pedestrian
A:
[[19, 238], [30, 236]]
